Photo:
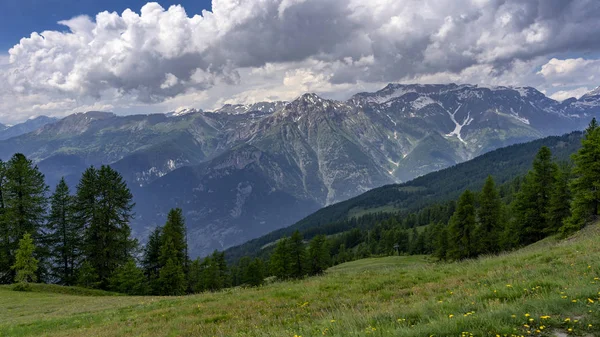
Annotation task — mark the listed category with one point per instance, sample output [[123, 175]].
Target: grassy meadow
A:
[[548, 289]]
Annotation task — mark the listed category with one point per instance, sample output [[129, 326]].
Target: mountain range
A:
[[244, 170]]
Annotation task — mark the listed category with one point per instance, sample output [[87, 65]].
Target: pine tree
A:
[[280, 259], [171, 277], [194, 278], [26, 264], [87, 277], [489, 229], [533, 199], [559, 207], [586, 185], [24, 197], [175, 230], [150, 262], [129, 279], [64, 238], [104, 208], [254, 274], [297, 256], [318, 255], [461, 244], [342, 255], [441, 241], [5, 232]]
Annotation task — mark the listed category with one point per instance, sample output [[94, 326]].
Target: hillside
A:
[[503, 164], [547, 289]]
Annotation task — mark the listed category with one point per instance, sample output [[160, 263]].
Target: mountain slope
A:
[[313, 151], [503, 164], [30, 125]]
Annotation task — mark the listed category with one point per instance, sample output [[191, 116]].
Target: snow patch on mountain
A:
[[595, 92], [458, 126], [422, 102]]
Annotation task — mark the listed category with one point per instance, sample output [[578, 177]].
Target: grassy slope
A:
[[393, 296]]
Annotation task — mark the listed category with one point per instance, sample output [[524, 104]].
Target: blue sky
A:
[[18, 18], [158, 58]]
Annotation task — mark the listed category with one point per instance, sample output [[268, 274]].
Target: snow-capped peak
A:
[[183, 111], [595, 92]]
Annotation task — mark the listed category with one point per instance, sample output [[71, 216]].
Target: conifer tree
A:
[[559, 206], [489, 229], [26, 264], [318, 255], [64, 237], [129, 279], [150, 262], [280, 259], [254, 273], [104, 208], [194, 277], [171, 277], [533, 199], [343, 255], [586, 185], [175, 230], [297, 256], [87, 276], [461, 244], [5, 233], [24, 198], [441, 242]]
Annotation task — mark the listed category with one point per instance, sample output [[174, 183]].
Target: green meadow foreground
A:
[[550, 288]]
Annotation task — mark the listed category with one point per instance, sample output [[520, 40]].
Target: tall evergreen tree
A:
[[489, 215], [104, 208], [297, 256], [461, 241], [533, 199], [318, 255], [26, 264], [441, 241], [129, 279], [559, 207], [151, 262], [171, 277], [5, 232], [175, 230], [64, 237], [280, 259], [586, 185], [24, 195], [255, 273]]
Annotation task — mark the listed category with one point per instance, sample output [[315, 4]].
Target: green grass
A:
[[392, 296]]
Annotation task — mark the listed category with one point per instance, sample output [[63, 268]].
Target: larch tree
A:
[[489, 218], [586, 184], [461, 241], [533, 199], [104, 208], [64, 236], [25, 199], [297, 254], [318, 255], [26, 264]]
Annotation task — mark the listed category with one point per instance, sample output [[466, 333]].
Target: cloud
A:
[[278, 48], [571, 72], [564, 94]]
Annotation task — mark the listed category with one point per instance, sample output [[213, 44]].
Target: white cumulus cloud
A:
[[159, 58]]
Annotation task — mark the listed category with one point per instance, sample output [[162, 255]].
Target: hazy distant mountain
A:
[[243, 170], [25, 127]]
